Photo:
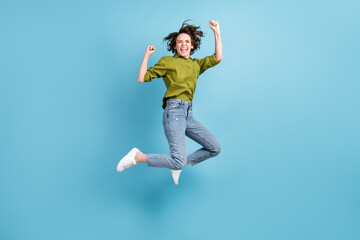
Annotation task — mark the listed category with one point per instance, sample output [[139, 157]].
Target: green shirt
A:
[[179, 74]]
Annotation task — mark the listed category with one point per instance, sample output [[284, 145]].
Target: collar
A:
[[176, 55]]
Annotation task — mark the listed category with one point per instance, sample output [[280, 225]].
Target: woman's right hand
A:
[[150, 49]]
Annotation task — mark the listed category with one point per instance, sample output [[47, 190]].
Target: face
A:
[[183, 45]]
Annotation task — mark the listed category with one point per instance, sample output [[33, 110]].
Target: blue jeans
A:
[[178, 122]]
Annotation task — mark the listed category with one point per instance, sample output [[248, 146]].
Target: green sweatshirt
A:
[[179, 74]]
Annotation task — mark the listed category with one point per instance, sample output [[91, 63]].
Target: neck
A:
[[183, 56]]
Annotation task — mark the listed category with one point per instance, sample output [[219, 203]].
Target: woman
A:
[[180, 73]]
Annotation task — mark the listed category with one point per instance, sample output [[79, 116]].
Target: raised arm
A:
[[150, 49], [218, 45]]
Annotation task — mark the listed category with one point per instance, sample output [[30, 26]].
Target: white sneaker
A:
[[175, 175], [128, 160]]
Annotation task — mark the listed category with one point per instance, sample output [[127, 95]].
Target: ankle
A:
[[140, 157]]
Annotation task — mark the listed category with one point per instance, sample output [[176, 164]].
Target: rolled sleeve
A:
[[207, 62], [157, 71]]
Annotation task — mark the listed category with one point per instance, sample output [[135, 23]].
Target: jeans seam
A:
[[213, 149]]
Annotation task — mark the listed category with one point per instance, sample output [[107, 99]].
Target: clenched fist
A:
[[214, 25], [150, 49]]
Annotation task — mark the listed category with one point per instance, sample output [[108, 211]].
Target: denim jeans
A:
[[178, 122]]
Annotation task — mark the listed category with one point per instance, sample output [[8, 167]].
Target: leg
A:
[[200, 134], [174, 122], [141, 157]]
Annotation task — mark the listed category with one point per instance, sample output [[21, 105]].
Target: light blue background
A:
[[283, 103]]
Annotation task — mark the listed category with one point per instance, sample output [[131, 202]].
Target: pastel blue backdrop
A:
[[283, 103]]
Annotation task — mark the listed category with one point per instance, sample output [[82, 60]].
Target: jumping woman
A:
[[180, 73]]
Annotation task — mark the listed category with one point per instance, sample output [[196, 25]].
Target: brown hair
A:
[[191, 30]]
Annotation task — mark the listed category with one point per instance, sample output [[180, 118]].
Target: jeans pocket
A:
[[175, 113]]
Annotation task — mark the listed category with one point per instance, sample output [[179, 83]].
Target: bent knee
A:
[[216, 150], [179, 162]]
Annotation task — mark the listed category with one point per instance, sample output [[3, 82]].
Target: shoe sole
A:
[[176, 181]]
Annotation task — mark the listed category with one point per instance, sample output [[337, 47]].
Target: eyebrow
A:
[[185, 40]]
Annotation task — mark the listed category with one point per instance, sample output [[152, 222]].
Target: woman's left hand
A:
[[214, 25]]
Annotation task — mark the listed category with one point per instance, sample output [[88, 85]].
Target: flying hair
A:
[[194, 32]]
